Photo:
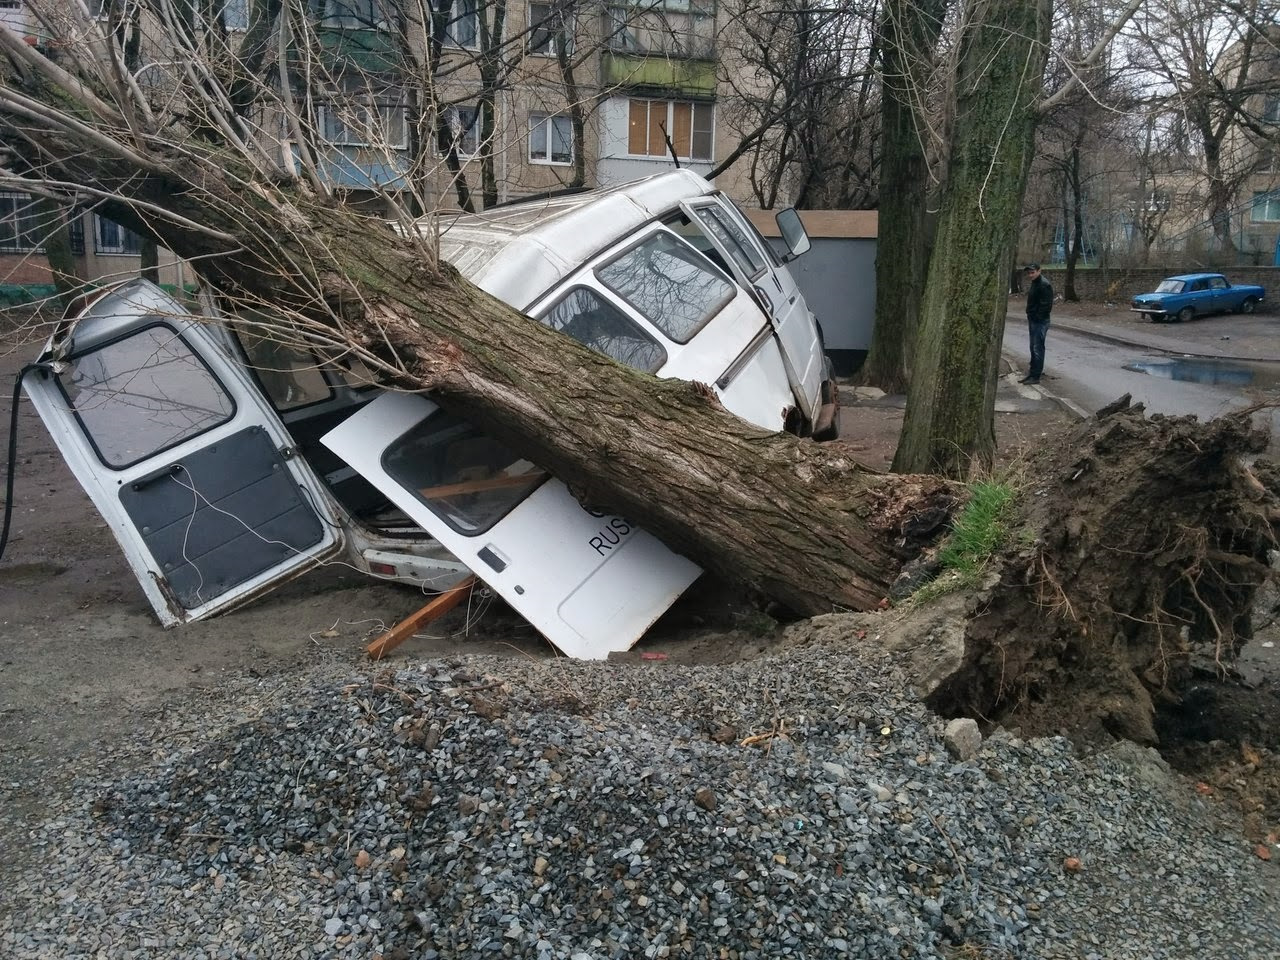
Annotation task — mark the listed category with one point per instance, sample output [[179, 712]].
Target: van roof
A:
[[520, 251]]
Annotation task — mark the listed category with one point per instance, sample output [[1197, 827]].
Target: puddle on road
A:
[[1196, 370]]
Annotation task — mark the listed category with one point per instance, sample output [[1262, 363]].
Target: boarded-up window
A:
[[689, 125]]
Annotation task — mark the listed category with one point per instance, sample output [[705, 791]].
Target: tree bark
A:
[[56, 237], [909, 33], [949, 426], [1076, 246]]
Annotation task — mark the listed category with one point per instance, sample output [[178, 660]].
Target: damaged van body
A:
[[225, 462]]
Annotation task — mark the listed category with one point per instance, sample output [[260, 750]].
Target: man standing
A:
[[1039, 304]]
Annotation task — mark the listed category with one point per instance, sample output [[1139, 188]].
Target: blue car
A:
[[1194, 294]]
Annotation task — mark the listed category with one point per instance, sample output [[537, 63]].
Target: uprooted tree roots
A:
[[1144, 543]]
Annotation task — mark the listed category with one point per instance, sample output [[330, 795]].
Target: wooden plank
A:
[[479, 486], [438, 607]]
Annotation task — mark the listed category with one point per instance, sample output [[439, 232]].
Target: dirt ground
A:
[[83, 660]]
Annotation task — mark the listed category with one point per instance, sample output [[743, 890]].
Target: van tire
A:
[[827, 426]]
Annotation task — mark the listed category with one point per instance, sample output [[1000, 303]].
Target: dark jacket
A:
[[1039, 300]]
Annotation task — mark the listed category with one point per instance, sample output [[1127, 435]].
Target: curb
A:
[[1073, 408]]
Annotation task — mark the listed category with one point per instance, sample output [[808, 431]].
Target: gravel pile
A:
[[795, 806]]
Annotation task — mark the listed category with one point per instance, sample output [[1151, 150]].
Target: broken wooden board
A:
[[438, 607]]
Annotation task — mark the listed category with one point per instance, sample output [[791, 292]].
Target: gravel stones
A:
[[568, 816]]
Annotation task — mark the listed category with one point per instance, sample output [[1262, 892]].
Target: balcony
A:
[[644, 73]]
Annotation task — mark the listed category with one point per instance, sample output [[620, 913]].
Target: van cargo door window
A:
[[142, 394], [290, 374], [466, 478], [733, 239], [596, 323], [670, 283]]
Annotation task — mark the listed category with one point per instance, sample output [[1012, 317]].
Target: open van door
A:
[[774, 288], [179, 451], [590, 583]]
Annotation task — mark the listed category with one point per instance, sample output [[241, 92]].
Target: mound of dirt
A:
[[1125, 597]]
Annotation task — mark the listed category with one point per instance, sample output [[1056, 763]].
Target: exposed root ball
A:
[[1148, 539]]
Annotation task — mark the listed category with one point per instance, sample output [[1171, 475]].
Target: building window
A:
[[676, 28], [1271, 108], [1157, 201], [1266, 207], [10, 4], [355, 124], [347, 14], [550, 138], [549, 26], [19, 223], [1272, 162], [235, 14], [464, 127], [110, 237], [690, 127], [463, 26]]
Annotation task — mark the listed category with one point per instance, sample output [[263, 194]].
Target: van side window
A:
[[467, 478], [143, 394], [670, 283], [744, 222], [290, 375], [693, 234], [732, 238], [596, 323]]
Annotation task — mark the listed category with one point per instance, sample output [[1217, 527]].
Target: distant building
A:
[[573, 93]]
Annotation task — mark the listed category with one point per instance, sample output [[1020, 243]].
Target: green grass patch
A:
[[978, 531]]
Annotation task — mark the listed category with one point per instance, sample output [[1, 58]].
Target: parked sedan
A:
[[1195, 294]]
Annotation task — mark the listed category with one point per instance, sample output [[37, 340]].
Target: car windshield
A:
[[1169, 286]]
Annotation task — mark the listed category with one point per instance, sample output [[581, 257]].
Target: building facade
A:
[[480, 102]]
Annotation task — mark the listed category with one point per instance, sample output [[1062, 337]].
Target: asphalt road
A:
[[1090, 372]]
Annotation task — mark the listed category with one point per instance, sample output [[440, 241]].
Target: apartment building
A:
[[482, 102]]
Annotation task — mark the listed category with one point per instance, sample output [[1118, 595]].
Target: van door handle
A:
[[143, 482], [763, 299]]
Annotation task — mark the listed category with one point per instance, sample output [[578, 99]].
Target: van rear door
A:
[[774, 287], [591, 583], [181, 454]]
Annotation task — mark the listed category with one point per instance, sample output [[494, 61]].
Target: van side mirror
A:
[[793, 233]]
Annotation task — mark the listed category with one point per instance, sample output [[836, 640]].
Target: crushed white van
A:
[[226, 463]]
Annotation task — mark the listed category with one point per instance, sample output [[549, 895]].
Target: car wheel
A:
[[1249, 305], [1153, 317], [1185, 314]]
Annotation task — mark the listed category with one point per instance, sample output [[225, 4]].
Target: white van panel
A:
[[591, 584]]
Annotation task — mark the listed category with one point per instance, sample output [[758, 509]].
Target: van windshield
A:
[[669, 282]]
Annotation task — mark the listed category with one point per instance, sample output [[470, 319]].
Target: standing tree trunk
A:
[[949, 427], [909, 33], [149, 260], [55, 234], [1076, 248], [577, 110]]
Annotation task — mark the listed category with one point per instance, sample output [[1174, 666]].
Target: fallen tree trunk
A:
[[807, 525]]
